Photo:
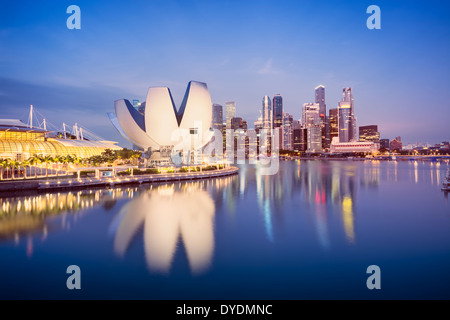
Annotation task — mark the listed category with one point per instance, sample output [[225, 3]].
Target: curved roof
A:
[[162, 123]]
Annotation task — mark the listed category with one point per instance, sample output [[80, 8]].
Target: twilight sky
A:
[[243, 50]]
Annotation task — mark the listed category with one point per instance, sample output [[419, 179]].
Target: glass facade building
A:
[[277, 111]]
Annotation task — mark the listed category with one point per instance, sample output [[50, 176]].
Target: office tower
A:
[[369, 133], [267, 113], [313, 125], [384, 144], [236, 123], [258, 124], [347, 96], [333, 124], [309, 113], [230, 112], [217, 117], [296, 135], [287, 132], [277, 111], [304, 140], [344, 121], [266, 125], [320, 99], [396, 144]]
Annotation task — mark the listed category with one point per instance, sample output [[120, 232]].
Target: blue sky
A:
[[242, 49]]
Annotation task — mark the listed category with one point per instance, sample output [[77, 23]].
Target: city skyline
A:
[[392, 71]]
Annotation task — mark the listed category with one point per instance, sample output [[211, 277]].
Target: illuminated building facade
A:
[[352, 146], [369, 133], [230, 112], [277, 111], [313, 125], [19, 142], [333, 124], [320, 99]]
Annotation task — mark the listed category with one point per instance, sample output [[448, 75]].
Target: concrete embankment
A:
[[68, 183]]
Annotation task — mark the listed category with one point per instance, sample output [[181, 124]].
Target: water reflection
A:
[[324, 188], [167, 213], [31, 215]]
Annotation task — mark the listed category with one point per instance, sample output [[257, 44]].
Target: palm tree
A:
[[14, 164], [4, 163], [47, 160], [25, 164], [59, 160], [34, 160]]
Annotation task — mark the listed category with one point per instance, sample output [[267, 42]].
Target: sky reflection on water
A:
[[308, 232]]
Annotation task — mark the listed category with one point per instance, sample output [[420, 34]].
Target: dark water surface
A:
[[308, 232]]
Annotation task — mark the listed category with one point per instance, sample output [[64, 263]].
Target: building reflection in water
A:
[[25, 217], [167, 213], [324, 187]]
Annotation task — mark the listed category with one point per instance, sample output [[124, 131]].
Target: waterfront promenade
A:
[[74, 183]]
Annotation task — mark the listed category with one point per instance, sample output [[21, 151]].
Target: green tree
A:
[[14, 164], [34, 161], [47, 160]]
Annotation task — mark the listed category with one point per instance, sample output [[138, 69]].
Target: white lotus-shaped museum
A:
[[162, 125]]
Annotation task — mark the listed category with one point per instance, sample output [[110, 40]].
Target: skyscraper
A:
[[287, 132], [344, 121], [333, 123], [267, 114], [217, 117], [320, 99], [277, 111], [267, 125], [230, 112], [313, 125], [347, 96]]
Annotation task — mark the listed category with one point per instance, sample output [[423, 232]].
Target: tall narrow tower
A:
[[277, 111], [230, 112], [347, 96], [320, 99]]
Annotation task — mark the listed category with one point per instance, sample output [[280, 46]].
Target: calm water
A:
[[309, 232]]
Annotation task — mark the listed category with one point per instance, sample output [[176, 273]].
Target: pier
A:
[[98, 181]]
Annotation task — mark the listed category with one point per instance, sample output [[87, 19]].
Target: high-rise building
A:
[[287, 132], [347, 96], [384, 144], [333, 124], [277, 111], [267, 114], [267, 125], [258, 124], [313, 125], [320, 99], [236, 123], [369, 133], [217, 117], [230, 112], [344, 121]]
